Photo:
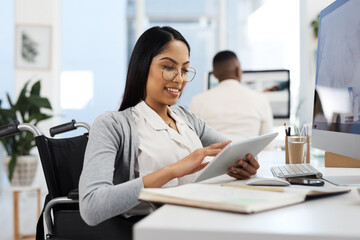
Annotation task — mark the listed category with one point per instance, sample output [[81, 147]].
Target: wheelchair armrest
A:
[[66, 127], [10, 129], [47, 211], [74, 194]]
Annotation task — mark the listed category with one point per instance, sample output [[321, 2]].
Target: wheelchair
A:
[[62, 161]]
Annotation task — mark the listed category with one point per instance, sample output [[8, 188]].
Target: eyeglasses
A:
[[169, 73]]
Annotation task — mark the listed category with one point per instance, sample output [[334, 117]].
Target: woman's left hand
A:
[[245, 168]]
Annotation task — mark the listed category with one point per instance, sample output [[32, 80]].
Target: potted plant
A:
[[315, 26], [27, 109]]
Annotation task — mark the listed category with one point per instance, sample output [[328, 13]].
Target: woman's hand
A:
[[188, 165], [244, 169], [194, 161]]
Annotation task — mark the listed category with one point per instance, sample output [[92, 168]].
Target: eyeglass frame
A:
[[177, 72]]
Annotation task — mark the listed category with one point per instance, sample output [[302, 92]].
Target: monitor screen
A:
[[275, 84], [336, 120]]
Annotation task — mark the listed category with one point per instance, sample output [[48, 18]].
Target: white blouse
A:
[[161, 145]]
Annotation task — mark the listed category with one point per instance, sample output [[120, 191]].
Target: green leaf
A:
[[39, 102], [22, 95], [35, 90], [7, 146], [38, 117], [7, 114], [9, 100], [25, 143], [28, 107], [11, 166]]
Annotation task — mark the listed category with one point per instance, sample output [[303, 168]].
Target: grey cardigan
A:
[[108, 185]]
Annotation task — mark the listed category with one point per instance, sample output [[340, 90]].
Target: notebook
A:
[[235, 196]]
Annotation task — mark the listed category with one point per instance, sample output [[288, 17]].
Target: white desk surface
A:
[[330, 218]]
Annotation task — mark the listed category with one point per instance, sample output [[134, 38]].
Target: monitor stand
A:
[[337, 160], [340, 161]]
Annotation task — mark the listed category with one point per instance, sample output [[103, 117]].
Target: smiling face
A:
[[159, 92]]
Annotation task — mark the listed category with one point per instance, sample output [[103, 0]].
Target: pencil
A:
[[255, 188]]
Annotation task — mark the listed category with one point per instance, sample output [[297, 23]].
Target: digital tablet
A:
[[232, 153]]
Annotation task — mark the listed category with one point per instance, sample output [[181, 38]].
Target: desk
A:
[[329, 218], [16, 191]]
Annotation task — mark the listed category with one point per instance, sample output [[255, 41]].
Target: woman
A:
[[147, 143]]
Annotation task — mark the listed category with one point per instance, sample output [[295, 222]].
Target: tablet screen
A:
[[232, 153]]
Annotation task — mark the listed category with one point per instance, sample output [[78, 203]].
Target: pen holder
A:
[[287, 158]]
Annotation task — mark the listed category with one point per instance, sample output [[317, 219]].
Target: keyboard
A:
[[295, 170]]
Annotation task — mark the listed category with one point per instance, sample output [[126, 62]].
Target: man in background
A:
[[231, 108]]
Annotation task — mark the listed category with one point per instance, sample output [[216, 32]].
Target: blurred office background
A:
[[91, 42]]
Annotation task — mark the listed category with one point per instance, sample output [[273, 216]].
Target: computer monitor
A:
[[336, 119], [275, 84]]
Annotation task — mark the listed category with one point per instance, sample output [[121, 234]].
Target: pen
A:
[[255, 188], [287, 130]]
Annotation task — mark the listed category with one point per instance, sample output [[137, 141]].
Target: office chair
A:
[[62, 161]]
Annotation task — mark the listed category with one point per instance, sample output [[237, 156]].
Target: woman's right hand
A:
[[194, 161], [188, 165]]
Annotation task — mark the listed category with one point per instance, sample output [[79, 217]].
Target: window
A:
[[196, 20], [262, 33], [7, 40], [93, 58]]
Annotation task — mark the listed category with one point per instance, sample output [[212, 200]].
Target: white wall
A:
[[41, 12]]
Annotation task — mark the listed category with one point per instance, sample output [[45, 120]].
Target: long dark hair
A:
[[150, 44]]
